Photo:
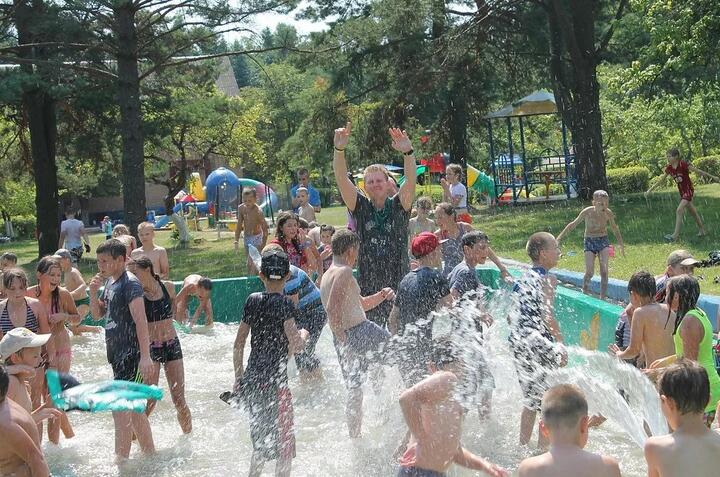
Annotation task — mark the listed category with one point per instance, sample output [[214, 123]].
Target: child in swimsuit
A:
[[597, 217], [251, 222], [680, 171]]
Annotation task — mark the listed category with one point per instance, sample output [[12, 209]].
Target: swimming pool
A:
[[220, 443]]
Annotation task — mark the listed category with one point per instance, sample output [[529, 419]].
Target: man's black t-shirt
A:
[[383, 259], [120, 334], [266, 314], [419, 294]]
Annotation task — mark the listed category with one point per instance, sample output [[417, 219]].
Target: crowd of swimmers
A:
[[407, 269]]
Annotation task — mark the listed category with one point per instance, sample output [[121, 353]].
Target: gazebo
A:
[[514, 173]]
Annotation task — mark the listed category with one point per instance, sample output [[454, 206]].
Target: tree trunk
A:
[[573, 67], [39, 107], [133, 159]]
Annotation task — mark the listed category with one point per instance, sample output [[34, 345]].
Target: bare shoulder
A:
[[137, 251], [532, 466], [587, 210], [657, 445], [611, 464]]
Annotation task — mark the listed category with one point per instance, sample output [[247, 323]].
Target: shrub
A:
[[24, 227], [628, 179], [709, 164]]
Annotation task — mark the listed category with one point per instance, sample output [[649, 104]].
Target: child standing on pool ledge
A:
[[565, 423], [597, 217], [535, 338], [680, 171], [263, 386]]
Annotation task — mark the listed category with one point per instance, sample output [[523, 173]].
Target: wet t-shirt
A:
[[120, 334], [266, 314], [383, 259], [418, 294], [462, 279]]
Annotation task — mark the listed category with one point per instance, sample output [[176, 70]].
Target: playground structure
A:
[[220, 197], [516, 175]]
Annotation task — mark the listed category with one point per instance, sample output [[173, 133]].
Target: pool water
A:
[[220, 443]]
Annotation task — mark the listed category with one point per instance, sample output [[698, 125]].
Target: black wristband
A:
[[340, 150], [409, 153]]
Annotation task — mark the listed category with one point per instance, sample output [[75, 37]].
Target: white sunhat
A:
[[19, 338]]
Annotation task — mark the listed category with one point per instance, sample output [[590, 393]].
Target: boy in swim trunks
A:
[[597, 217], [691, 448], [251, 222], [263, 386], [75, 284], [20, 452], [680, 171], [358, 341], [157, 254], [435, 419], [8, 260], [535, 339], [565, 424], [126, 337], [201, 287]]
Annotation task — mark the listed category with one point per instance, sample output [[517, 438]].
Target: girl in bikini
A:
[[60, 307], [165, 347]]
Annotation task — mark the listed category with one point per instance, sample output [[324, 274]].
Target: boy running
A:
[[565, 424], [157, 254], [263, 386], [435, 420], [648, 333], [692, 448], [251, 222], [597, 217], [126, 337], [535, 338], [357, 339], [20, 452], [680, 171]]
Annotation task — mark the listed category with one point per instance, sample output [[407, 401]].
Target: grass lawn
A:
[[641, 224]]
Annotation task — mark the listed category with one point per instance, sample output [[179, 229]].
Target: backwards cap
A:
[[275, 264]]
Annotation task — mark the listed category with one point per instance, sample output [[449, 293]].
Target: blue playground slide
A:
[[162, 220]]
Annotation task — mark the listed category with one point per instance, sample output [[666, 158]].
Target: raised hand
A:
[[400, 140], [95, 283], [342, 136]]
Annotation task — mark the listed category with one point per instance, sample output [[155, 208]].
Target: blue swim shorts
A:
[[596, 244]]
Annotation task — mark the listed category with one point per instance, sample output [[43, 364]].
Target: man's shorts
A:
[[271, 420], [166, 351], [76, 254], [417, 472], [365, 343], [596, 244], [127, 369], [534, 357], [313, 321]]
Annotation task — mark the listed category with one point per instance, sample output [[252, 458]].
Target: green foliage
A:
[[24, 227], [628, 179], [18, 198], [709, 164]]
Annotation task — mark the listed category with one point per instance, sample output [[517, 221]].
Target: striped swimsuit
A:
[[31, 321]]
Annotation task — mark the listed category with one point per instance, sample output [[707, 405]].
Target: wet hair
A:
[[376, 168], [642, 283], [600, 193], [688, 290], [12, 274], [249, 191], [424, 202], [473, 237], [146, 225], [686, 383], [447, 208], [113, 247], [4, 383], [281, 219], [205, 283], [10, 257], [674, 152], [145, 263], [563, 406], [44, 266], [120, 229], [537, 242], [444, 352], [327, 228], [343, 240]]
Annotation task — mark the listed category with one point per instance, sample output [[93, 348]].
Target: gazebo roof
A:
[[539, 102]]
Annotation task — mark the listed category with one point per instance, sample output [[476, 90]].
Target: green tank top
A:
[[706, 359]]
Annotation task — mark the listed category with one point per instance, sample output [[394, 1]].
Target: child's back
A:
[[657, 337], [570, 461], [676, 454]]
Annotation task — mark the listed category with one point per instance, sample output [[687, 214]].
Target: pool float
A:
[[68, 394]]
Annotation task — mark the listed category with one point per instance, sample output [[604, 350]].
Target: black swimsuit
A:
[[160, 310]]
